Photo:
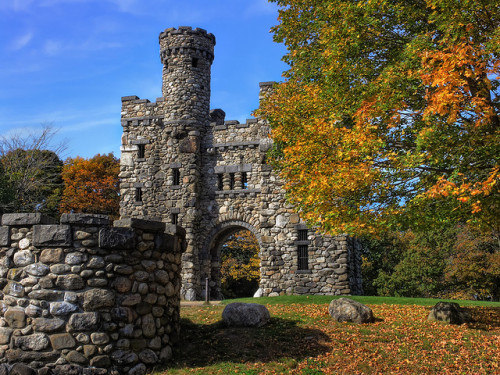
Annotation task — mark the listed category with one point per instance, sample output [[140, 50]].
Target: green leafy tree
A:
[[474, 265], [31, 173], [389, 113]]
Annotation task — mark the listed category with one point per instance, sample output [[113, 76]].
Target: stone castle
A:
[[184, 164]]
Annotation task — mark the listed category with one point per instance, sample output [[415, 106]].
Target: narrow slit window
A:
[[138, 194], [194, 62], [175, 218], [244, 180], [141, 151], [231, 181], [176, 173], [303, 256], [220, 181]]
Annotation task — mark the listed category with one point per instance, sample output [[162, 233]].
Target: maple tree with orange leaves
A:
[[91, 185], [389, 114]]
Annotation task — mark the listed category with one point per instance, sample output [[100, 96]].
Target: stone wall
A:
[[86, 297], [182, 163]]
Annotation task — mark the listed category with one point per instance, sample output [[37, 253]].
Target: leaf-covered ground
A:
[[303, 339]]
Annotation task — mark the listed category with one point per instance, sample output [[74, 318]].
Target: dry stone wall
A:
[[84, 297], [184, 164]]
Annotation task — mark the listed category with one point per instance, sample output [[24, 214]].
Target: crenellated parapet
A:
[[85, 296], [185, 40]]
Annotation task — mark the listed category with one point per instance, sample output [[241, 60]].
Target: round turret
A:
[[187, 56]]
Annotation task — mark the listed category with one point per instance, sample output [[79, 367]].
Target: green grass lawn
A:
[[301, 338]]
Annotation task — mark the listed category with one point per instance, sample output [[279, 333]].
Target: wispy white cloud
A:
[[52, 47], [16, 5], [22, 41]]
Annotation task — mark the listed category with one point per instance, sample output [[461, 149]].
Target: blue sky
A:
[[67, 63]]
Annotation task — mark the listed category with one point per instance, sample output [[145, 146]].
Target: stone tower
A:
[[184, 164]]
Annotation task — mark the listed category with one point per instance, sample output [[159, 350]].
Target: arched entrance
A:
[[234, 267]]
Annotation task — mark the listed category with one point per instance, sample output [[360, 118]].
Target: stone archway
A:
[[217, 239]]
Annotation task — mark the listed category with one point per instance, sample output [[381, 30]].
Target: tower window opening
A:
[[303, 257], [220, 181], [175, 218], [141, 151], [176, 174], [138, 194], [194, 62], [244, 180], [303, 235], [231, 181]]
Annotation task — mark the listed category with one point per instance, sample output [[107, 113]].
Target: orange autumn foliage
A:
[[389, 115], [91, 185]]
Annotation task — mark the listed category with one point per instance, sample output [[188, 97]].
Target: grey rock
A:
[[23, 258], [95, 299], [70, 282], [117, 238], [37, 269], [48, 325], [245, 315], [4, 236], [15, 317], [148, 357], [99, 338], [62, 341], [96, 262], [14, 289], [85, 219], [5, 334], [33, 311], [148, 326], [76, 357], [52, 235], [83, 322], [19, 355], [101, 361], [62, 308], [46, 295], [52, 255], [19, 219], [22, 369], [348, 310], [449, 312], [37, 342], [139, 369], [75, 258], [124, 357]]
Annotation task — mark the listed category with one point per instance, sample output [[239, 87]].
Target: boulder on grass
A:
[[449, 312], [245, 315], [347, 310]]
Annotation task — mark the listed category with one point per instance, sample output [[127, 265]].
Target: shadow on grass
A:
[[485, 318], [203, 345]]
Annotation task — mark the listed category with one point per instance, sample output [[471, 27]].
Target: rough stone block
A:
[[83, 322], [149, 225], [19, 219], [52, 235], [95, 299], [52, 256], [4, 236], [5, 334], [47, 325], [37, 342], [117, 238], [62, 341], [85, 219]]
